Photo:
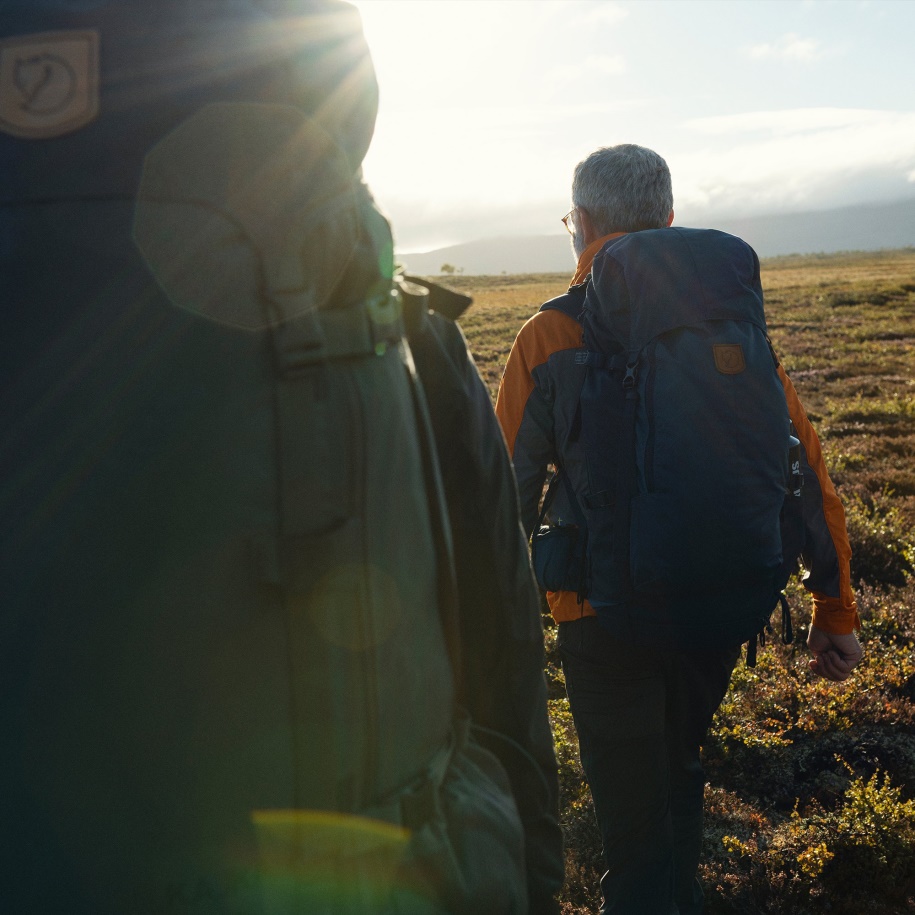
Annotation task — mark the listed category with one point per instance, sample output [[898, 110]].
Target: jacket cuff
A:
[[834, 616]]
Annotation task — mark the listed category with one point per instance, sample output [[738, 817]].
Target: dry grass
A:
[[501, 304]]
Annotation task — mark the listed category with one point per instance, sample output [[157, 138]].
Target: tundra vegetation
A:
[[811, 785]]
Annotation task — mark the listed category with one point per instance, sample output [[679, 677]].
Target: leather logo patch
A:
[[729, 358], [48, 83]]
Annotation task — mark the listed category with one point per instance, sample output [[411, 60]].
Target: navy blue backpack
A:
[[691, 499]]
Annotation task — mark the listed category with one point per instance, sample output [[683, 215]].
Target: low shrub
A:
[[881, 542], [858, 857]]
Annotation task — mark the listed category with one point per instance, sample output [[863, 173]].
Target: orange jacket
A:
[[523, 410]]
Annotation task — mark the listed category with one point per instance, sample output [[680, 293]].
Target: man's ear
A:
[[586, 224], [670, 218]]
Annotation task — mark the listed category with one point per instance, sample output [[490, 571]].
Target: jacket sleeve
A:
[[826, 553], [501, 630], [524, 408]]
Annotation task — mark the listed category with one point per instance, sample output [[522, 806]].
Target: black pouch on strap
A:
[[559, 553]]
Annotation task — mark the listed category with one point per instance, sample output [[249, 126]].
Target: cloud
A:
[[786, 122], [605, 65], [487, 182], [592, 67], [807, 158], [790, 47], [604, 14]]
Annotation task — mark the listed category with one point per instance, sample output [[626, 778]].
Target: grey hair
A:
[[624, 188]]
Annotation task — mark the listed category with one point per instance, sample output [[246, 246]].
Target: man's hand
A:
[[834, 656]]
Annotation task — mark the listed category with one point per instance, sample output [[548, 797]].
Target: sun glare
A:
[[454, 93], [433, 61], [486, 106]]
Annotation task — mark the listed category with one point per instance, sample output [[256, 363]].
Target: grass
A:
[[811, 796]]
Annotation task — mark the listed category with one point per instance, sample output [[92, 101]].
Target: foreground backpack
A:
[[226, 679], [679, 455]]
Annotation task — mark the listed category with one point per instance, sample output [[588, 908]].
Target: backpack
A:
[[225, 566], [679, 450]]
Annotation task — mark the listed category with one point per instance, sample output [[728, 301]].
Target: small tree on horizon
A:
[[447, 268]]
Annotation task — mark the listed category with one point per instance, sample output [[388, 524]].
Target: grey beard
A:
[[578, 246]]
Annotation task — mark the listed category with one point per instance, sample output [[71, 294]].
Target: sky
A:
[[758, 106]]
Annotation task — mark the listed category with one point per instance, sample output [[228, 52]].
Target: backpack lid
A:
[[237, 127], [647, 283], [132, 71]]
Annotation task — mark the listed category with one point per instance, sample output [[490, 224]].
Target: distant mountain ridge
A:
[[867, 227]]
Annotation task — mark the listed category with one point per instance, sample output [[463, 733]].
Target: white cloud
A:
[[790, 47], [604, 14], [786, 122], [586, 70], [802, 167], [605, 65]]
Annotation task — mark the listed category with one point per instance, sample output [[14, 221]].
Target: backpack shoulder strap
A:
[[570, 302]]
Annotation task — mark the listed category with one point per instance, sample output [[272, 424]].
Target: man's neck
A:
[[587, 256]]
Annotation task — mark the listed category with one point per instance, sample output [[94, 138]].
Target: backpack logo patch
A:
[[48, 83], [729, 358]]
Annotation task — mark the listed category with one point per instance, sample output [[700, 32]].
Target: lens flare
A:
[[328, 862]]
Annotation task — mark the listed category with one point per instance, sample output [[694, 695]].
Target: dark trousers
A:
[[641, 715]]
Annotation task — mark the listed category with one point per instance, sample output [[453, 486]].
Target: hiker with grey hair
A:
[[688, 481], [619, 189]]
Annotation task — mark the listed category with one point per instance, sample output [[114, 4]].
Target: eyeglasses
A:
[[567, 221]]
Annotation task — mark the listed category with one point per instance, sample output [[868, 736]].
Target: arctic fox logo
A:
[[47, 83]]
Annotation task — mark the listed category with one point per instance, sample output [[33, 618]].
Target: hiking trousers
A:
[[641, 715]]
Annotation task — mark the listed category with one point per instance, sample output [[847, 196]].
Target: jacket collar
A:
[[587, 256]]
